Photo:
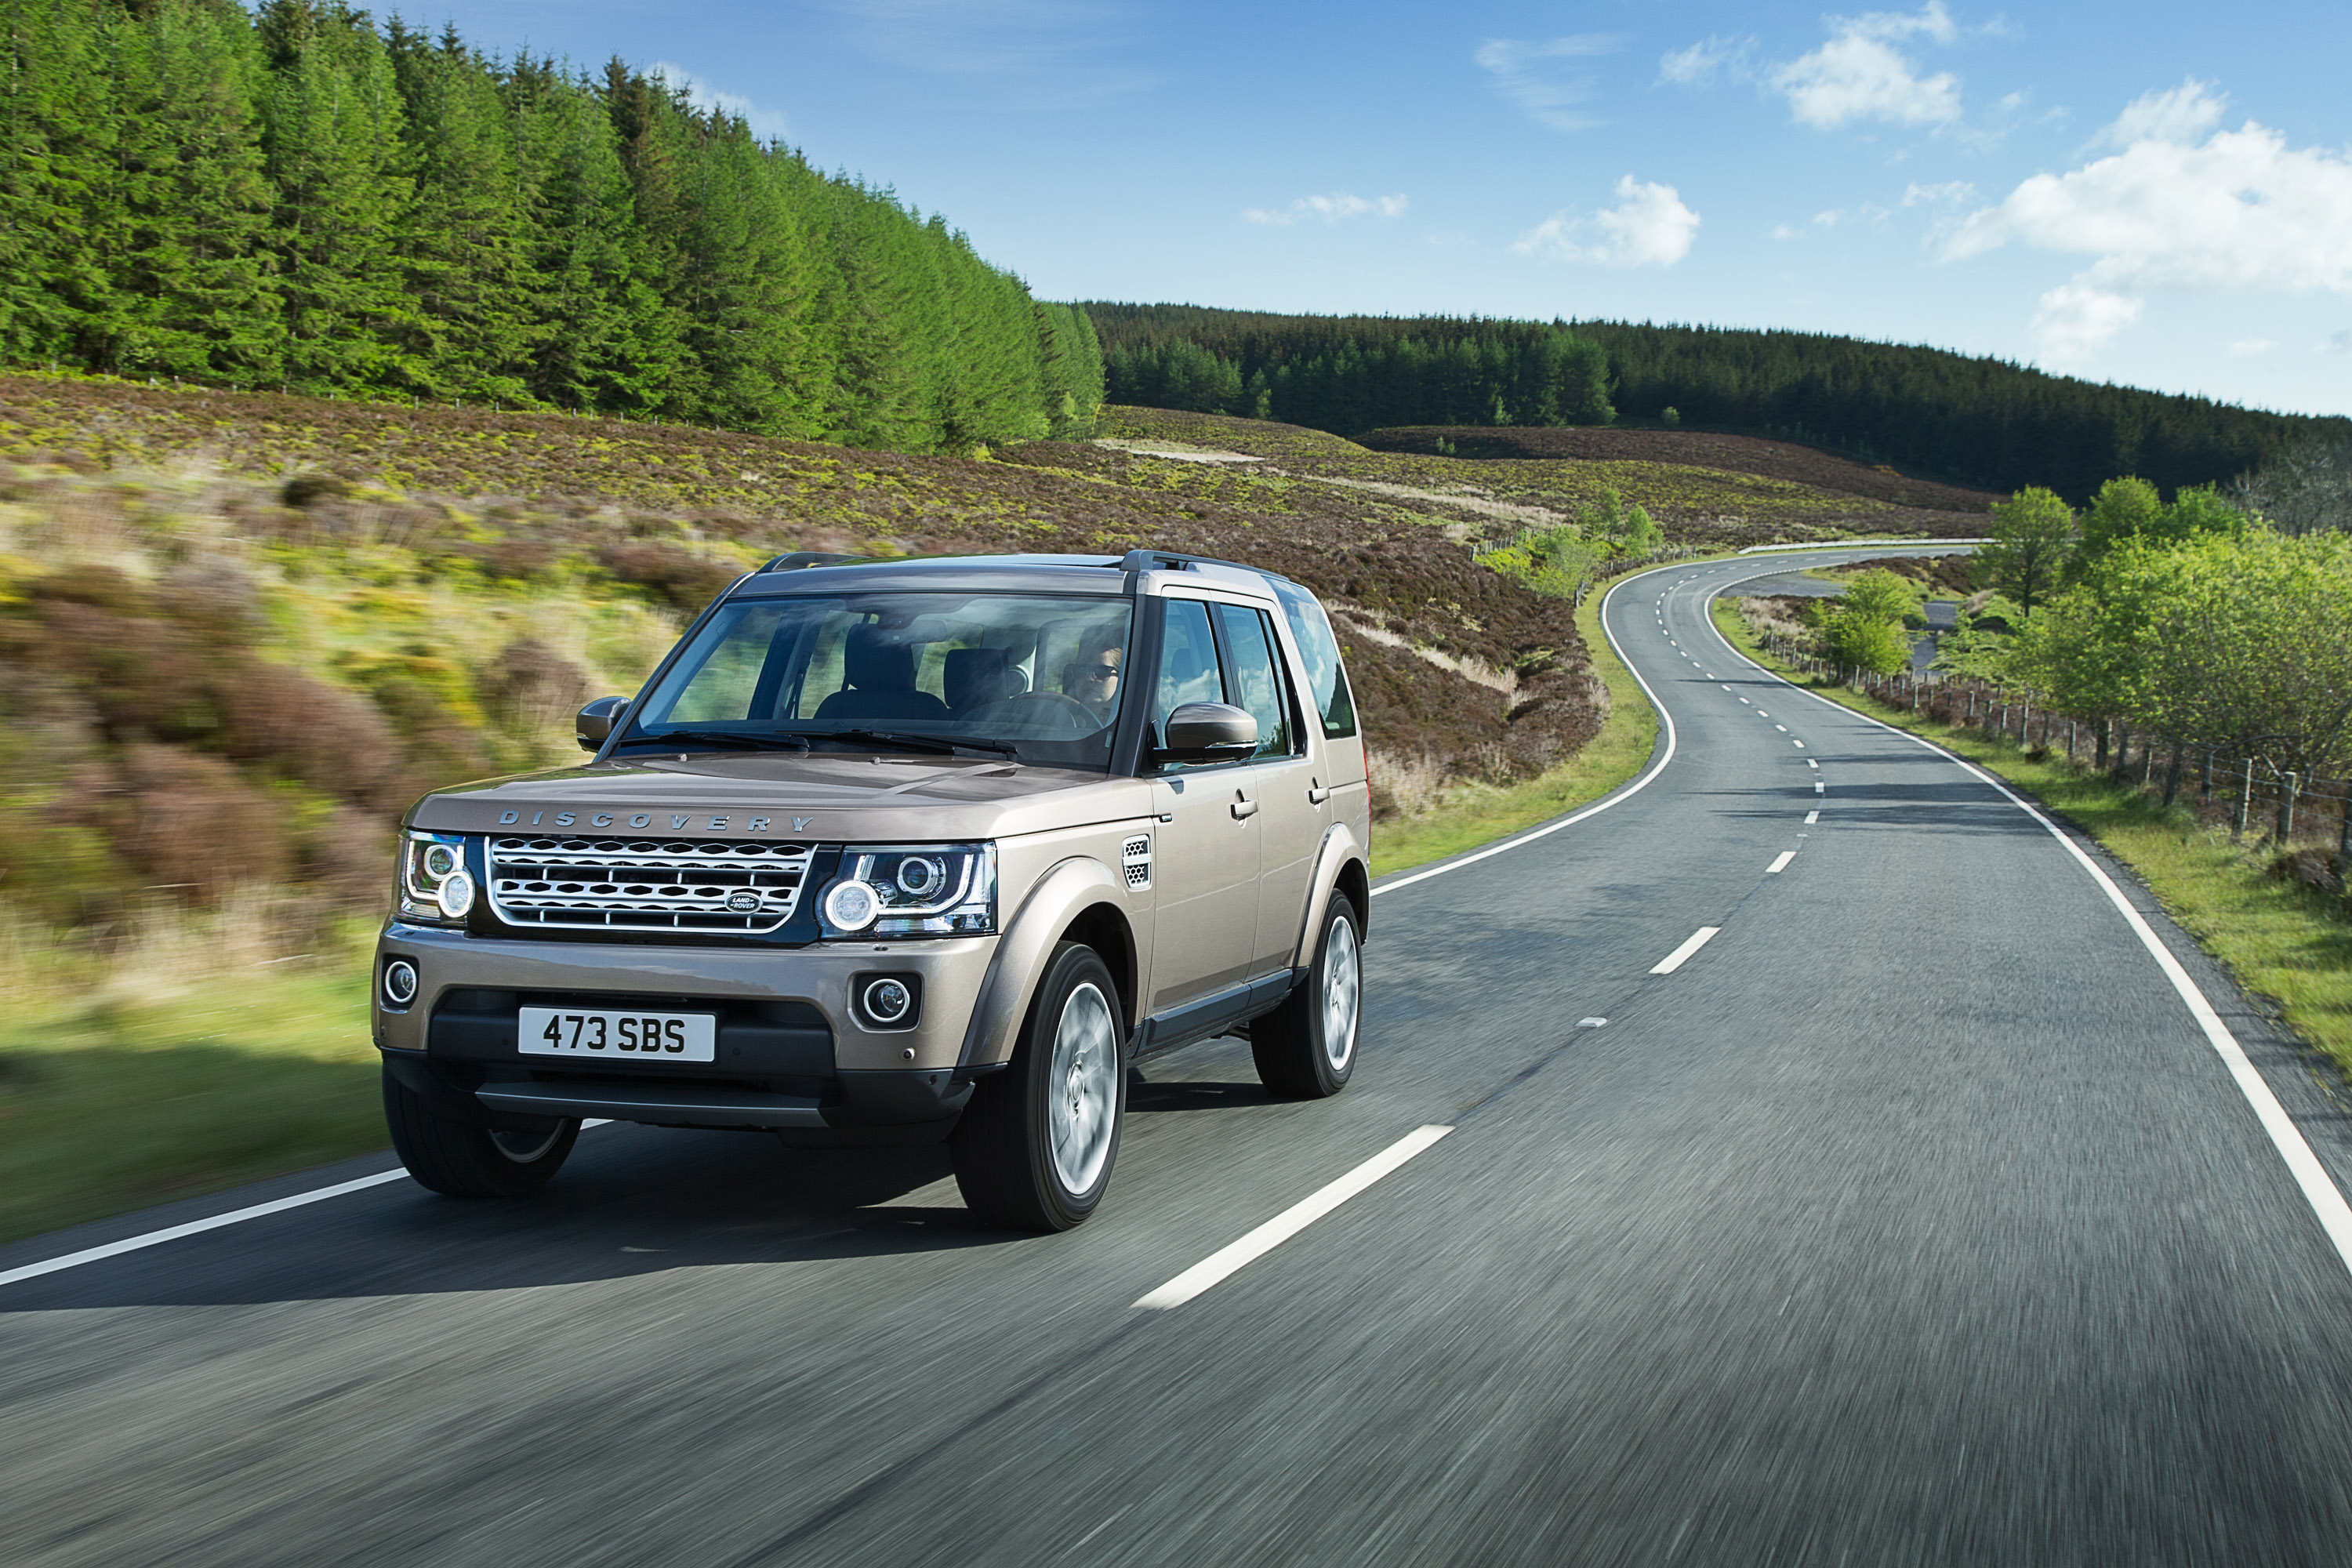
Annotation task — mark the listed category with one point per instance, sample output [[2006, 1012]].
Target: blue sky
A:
[[2153, 194]]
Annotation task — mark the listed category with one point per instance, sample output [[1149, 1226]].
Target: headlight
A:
[[918, 889], [434, 885]]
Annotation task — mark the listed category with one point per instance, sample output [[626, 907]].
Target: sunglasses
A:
[[1101, 672]]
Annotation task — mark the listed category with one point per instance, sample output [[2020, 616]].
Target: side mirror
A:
[[1208, 732], [596, 722]]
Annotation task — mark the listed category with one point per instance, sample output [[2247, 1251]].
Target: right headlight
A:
[[436, 888], [918, 889]]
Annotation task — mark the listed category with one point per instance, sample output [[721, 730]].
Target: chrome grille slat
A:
[[648, 884]]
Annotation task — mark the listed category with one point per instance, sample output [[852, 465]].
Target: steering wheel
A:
[[1044, 709]]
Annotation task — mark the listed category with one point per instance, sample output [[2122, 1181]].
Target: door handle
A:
[[1317, 794], [1244, 807]]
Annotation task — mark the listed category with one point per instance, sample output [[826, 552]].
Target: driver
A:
[[1092, 678]]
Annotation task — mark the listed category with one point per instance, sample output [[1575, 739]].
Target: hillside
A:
[[1973, 422]]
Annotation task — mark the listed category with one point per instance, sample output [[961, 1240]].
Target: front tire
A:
[[1306, 1048], [461, 1160], [1033, 1150]]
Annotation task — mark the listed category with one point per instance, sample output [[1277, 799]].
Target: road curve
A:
[[1910, 1217]]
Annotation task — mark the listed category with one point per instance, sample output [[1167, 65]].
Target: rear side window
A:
[[1326, 682], [1255, 679]]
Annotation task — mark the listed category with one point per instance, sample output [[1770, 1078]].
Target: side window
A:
[[1188, 663], [1327, 693], [1256, 676]]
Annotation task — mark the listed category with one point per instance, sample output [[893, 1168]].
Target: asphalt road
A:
[[1912, 1219]]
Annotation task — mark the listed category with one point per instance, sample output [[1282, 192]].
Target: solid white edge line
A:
[[1781, 864], [197, 1227], [2319, 1190], [1226, 1259], [1628, 793], [1681, 955]]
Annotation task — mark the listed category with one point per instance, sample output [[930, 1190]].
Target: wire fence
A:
[[2308, 821]]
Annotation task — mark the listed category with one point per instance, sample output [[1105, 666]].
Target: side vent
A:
[[1135, 859]]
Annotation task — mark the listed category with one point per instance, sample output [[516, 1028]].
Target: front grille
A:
[[645, 884]]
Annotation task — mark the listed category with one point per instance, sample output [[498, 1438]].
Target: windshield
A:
[[1035, 677]]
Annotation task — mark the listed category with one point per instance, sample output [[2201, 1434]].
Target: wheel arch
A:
[[1104, 928], [1078, 894]]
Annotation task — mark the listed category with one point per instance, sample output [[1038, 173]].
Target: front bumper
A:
[[793, 1053]]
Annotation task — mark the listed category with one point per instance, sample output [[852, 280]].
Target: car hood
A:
[[856, 799]]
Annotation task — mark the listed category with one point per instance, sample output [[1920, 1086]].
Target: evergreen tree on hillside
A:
[[56, 120], [191, 289], [475, 318], [332, 137]]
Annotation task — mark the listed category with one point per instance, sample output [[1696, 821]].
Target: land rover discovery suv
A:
[[898, 851]]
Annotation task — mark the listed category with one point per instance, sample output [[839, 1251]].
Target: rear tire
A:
[[1033, 1150], [1306, 1048], [461, 1160]]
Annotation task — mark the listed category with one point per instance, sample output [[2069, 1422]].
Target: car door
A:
[[1206, 862], [1278, 779]]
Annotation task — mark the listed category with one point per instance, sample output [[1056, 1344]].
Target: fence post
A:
[[2070, 742], [2286, 810], [2205, 788], [2245, 801], [2099, 753], [2172, 777]]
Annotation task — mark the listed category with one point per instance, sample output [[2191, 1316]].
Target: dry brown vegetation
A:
[[1693, 448]]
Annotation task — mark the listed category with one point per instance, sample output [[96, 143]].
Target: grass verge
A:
[[1477, 813], [2286, 944], [147, 1089]]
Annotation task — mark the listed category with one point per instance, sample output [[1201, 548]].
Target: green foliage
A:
[[301, 199], [1882, 595], [1854, 636], [1351, 374], [2032, 536], [2238, 641]]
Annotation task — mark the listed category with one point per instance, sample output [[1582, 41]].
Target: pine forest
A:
[[1979, 422], [298, 199]]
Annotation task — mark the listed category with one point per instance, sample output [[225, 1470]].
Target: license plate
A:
[[618, 1037]]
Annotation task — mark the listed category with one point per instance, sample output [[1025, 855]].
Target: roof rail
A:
[[801, 558], [1172, 560]]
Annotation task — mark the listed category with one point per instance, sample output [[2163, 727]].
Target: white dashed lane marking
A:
[[1781, 864], [1681, 955]]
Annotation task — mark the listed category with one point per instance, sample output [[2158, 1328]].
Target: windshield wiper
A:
[[941, 744], [740, 740]]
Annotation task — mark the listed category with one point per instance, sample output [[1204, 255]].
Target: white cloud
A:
[[1860, 75], [1782, 231], [1714, 55], [767, 124], [1828, 219], [1035, 54], [1531, 76], [2245, 348], [2334, 343], [2077, 319], [2240, 212], [1915, 194], [1330, 209], [1649, 227], [2179, 115]]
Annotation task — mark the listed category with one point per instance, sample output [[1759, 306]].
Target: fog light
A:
[[887, 1001], [851, 906], [400, 983], [455, 895]]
